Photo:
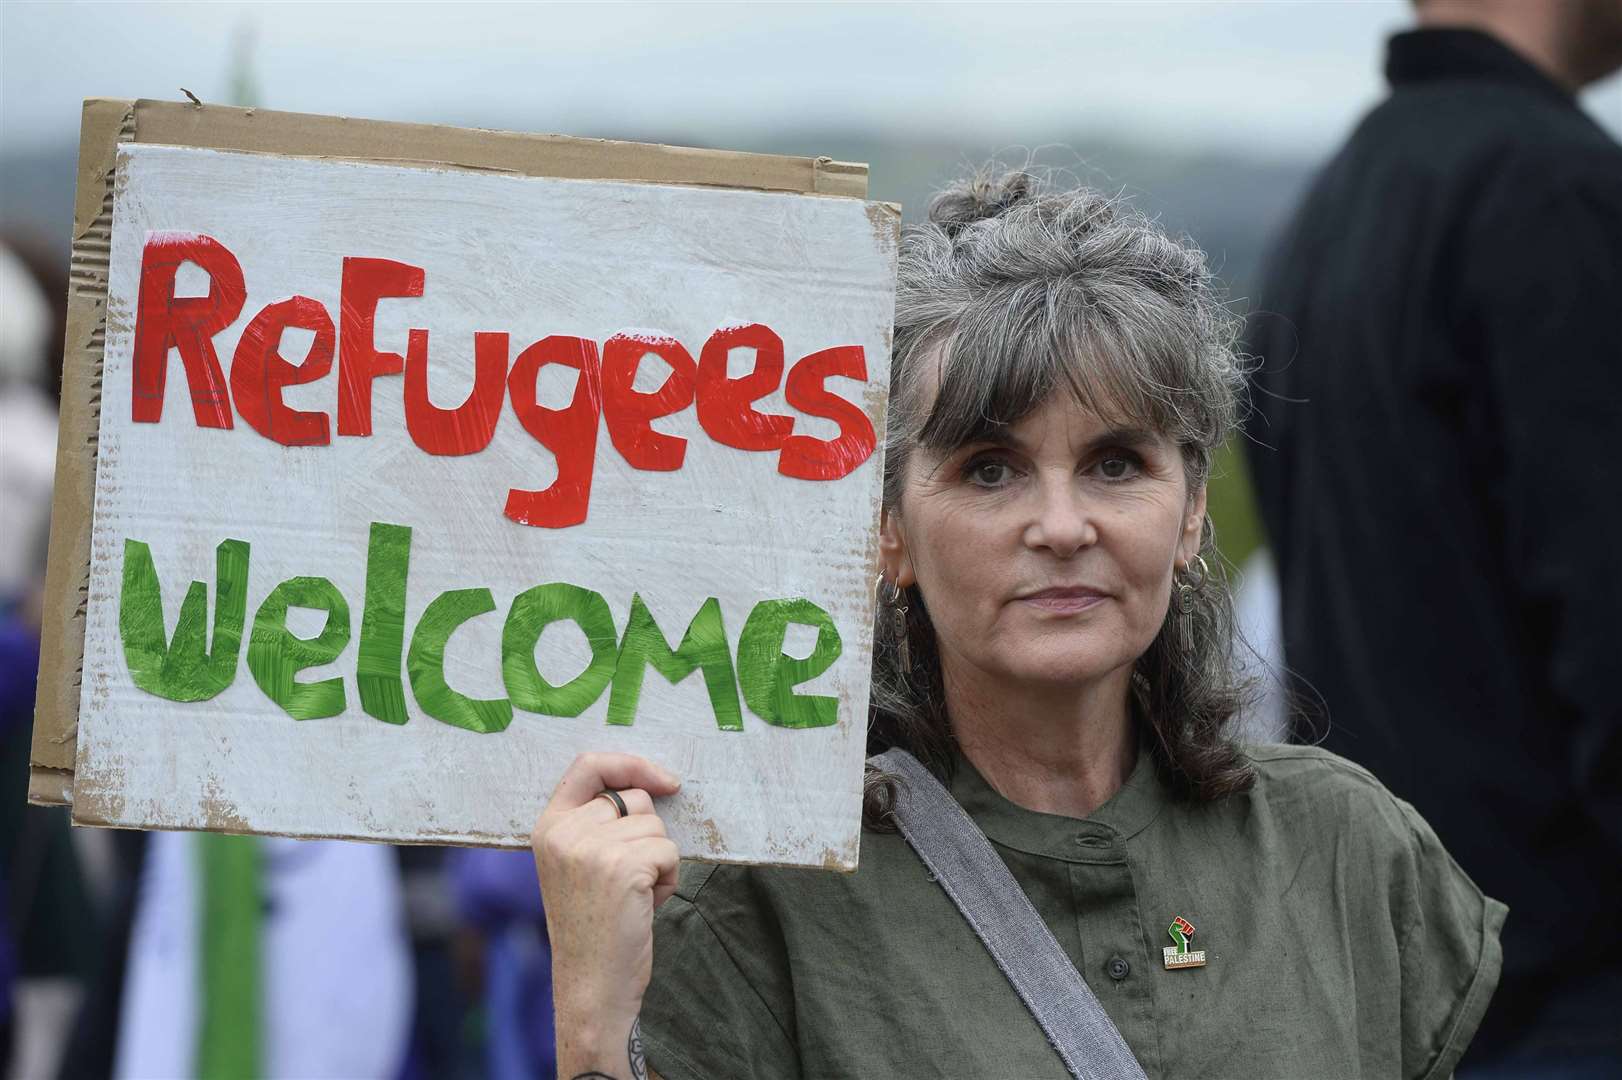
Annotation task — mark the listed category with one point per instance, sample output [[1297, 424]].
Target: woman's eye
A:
[[1118, 466], [989, 472]]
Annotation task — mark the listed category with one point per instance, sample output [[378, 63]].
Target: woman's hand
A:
[[601, 877]]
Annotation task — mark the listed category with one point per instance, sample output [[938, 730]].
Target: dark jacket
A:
[[1436, 453]]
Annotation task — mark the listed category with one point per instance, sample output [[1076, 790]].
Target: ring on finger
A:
[[620, 809]]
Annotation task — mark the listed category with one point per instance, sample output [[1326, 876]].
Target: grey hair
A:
[[1015, 290]]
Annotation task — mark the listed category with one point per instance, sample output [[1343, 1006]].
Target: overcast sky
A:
[[1278, 78]]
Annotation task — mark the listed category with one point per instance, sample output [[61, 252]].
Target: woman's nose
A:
[[1061, 520]]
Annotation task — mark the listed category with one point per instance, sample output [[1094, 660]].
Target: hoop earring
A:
[[898, 615]]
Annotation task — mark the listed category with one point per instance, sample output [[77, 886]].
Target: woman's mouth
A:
[[1064, 600]]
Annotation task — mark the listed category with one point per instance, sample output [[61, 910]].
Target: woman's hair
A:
[[1017, 291]]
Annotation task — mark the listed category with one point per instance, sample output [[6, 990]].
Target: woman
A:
[[1056, 648]]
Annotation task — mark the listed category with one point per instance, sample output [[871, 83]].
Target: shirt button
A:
[[1118, 968]]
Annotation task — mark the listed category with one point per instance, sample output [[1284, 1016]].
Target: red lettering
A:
[[723, 403], [470, 426], [809, 458], [571, 433], [364, 283], [605, 386], [188, 324], [629, 411], [259, 372]]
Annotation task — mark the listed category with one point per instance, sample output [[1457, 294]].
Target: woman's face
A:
[[1045, 557]]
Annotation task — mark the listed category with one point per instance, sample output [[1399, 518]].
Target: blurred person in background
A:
[[1436, 442], [265, 956], [446, 1033], [31, 320], [49, 928], [497, 894]]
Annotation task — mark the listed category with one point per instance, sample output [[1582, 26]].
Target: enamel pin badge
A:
[[1178, 955]]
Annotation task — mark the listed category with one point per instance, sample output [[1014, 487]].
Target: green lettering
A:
[[768, 677], [426, 664], [275, 655], [703, 646], [532, 611], [181, 669], [382, 623]]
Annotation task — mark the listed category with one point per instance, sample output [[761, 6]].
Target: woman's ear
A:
[[1188, 544], [893, 553]]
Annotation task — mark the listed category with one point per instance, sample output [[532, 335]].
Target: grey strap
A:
[[960, 857]]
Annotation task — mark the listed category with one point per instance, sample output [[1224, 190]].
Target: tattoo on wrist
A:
[[633, 1050]]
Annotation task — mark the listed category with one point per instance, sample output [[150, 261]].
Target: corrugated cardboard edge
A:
[[107, 122], [50, 787], [265, 131], [67, 568]]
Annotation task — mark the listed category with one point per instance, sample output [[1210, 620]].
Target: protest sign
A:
[[412, 482]]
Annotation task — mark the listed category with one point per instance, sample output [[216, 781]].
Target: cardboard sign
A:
[[413, 483]]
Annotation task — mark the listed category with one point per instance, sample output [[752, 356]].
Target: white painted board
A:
[[528, 257]]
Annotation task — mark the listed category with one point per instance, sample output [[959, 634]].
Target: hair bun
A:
[[979, 197]]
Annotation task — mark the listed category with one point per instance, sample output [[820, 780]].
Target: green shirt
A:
[[1341, 941]]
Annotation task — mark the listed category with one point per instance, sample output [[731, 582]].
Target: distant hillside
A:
[[1230, 204], [36, 193]]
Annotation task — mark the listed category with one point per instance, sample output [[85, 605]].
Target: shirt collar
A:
[[1098, 838], [1436, 55]]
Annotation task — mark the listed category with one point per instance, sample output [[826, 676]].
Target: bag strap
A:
[[960, 857]]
